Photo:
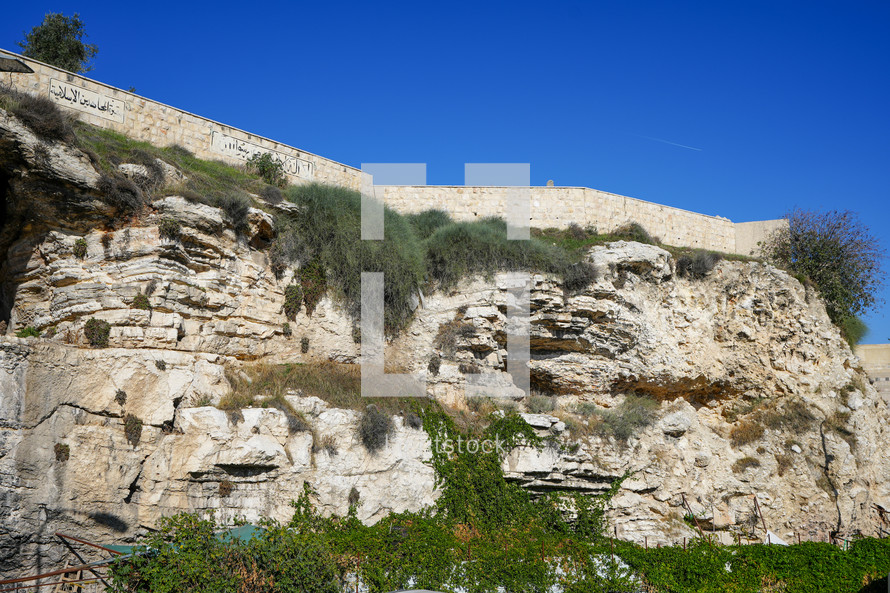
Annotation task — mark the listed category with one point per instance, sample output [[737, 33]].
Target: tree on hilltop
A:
[[838, 253], [58, 41]]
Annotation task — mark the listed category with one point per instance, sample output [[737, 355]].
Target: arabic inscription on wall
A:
[[86, 101], [243, 150]]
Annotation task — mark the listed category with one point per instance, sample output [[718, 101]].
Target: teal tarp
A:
[[244, 533]]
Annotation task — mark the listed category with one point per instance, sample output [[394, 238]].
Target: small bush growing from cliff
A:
[[449, 333], [304, 345], [374, 428], [268, 168], [286, 331], [96, 332], [132, 429], [634, 231], [744, 464], [835, 250], [325, 443], [50, 332], [62, 451], [236, 206], [697, 265], [427, 222], [434, 364], [540, 404], [579, 276], [169, 228], [161, 365], [629, 417], [293, 301], [120, 396], [225, 488], [839, 424], [313, 282], [28, 332], [746, 432], [853, 329], [271, 195], [120, 192], [296, 421], [41, 115], [80, 248], [353, 497], [140, 301]]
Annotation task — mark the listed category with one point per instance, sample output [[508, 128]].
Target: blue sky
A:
[[787, 103]]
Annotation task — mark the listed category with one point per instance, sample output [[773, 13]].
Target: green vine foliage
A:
[[313, 282], [484, 534]]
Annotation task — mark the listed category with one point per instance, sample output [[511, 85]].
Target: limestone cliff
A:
[[754, 391]]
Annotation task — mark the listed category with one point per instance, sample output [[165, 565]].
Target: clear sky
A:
[[742, 109]]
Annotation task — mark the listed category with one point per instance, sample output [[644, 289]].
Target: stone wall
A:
[[560, 206], [876, 363], [143, 119]]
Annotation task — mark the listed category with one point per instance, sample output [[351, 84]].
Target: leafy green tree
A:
[[837, 252], [58, 41]]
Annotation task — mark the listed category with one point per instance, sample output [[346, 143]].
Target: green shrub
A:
[[634, 231], [169, 228], [97, 332], [286, 330], [161, 365], [120, 192], [629, 417], [236, 206], [132, 429], [540, 404], [744, 464], [140, 301], [698, 265], [188, 554], [353, 497], [120, 396], [293, 298], [853, 329], [268, 168], [838, 252], [329, 231], [465, 249], [578, 276], [62, 451], [80, 248], [425, 223], [434, 364], [374, 428], [304, 345], [42, 116], [313, 282], [271, 195], [28, 332]]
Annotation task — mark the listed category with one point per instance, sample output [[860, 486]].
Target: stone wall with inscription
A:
[[143, 119]]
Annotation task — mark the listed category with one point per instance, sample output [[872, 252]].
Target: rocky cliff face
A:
[[711, 391]]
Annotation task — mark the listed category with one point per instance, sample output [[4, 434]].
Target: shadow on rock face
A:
[[111, 521]]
